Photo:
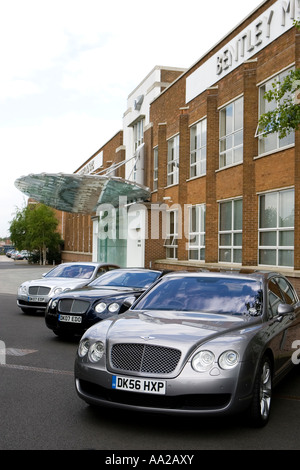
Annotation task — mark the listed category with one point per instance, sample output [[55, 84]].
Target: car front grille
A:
[[73, 306], [38, 290], [144, 358]]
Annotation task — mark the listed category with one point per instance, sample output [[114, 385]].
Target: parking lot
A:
[[40, 410]]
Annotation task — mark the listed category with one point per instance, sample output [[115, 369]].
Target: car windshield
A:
[[126, 279], [205, 294], [75, 271]]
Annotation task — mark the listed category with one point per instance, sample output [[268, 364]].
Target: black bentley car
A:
[[73, 312]]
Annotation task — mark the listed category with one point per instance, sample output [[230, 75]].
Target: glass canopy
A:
[[80, 193]]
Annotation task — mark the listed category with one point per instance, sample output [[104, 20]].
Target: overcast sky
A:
[[68, 66]]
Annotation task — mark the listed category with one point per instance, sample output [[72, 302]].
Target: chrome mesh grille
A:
[[39, 290], [144, 358], [73, 306]]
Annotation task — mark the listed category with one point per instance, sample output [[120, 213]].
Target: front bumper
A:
[[36, 303], [189, 393]]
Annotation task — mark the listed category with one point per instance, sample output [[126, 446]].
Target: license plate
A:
[[130, 384], [70, 318], [36, 299]]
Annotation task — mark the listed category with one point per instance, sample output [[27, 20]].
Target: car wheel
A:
[[259, 411]]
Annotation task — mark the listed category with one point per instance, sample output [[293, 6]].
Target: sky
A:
[[68, 66]]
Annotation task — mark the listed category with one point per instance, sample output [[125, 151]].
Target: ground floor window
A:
[[171, 241], [276, 228], [111, 244], [230, 231], [196, 243]]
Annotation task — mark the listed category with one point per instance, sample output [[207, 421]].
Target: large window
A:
[[171, 241], [231, 133], [276, 228], [269, 142], [198, 149], [196, 244], [173, 161], [138, 133], [230, 231]]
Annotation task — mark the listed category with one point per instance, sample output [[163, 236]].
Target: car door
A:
[[284, 329], [291, 332]]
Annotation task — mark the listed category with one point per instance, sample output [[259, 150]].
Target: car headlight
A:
[[228, 360], [203, 361], [100, 307], [57, 290], [22, 289], [83, 347], [96, 351], [53, 304], [114, 307]]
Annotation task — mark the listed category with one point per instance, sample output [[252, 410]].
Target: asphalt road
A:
[[39, 408]]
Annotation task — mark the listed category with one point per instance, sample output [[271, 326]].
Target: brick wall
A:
[[170, 115]]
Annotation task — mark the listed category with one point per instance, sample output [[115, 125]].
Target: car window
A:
[[125, 279], [205, 294], [275, 296], [73, 271], [287, 291]]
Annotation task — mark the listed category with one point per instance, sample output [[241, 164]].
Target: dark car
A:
[[75, 311], [196, 344]]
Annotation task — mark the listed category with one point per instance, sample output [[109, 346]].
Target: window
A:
[[171, 241], [198, 149], [231, 133], [173, 161], [270, 142], [230, 231], [155, 169], [196, 244], [138, 134], [276, 228]]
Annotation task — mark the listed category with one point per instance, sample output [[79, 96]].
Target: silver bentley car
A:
[[202, 343], [34, 295]]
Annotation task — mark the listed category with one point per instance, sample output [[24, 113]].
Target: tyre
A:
[[260, 408]]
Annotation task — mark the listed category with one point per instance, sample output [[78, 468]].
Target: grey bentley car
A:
[[34, 295], [202, 343]]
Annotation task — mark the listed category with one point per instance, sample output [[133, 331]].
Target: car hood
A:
[[92, 293], [177, 329], [58, 281]]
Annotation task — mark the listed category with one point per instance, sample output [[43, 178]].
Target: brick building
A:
[[242, 187], [220, 192]]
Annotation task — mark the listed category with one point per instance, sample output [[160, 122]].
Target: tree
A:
[[285, 117], [35, 228]]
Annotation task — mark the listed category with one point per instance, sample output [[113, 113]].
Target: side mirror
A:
[[128, 302], [285, 309]]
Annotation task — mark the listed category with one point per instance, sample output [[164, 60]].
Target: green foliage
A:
[[285, 117], [35, 228]]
